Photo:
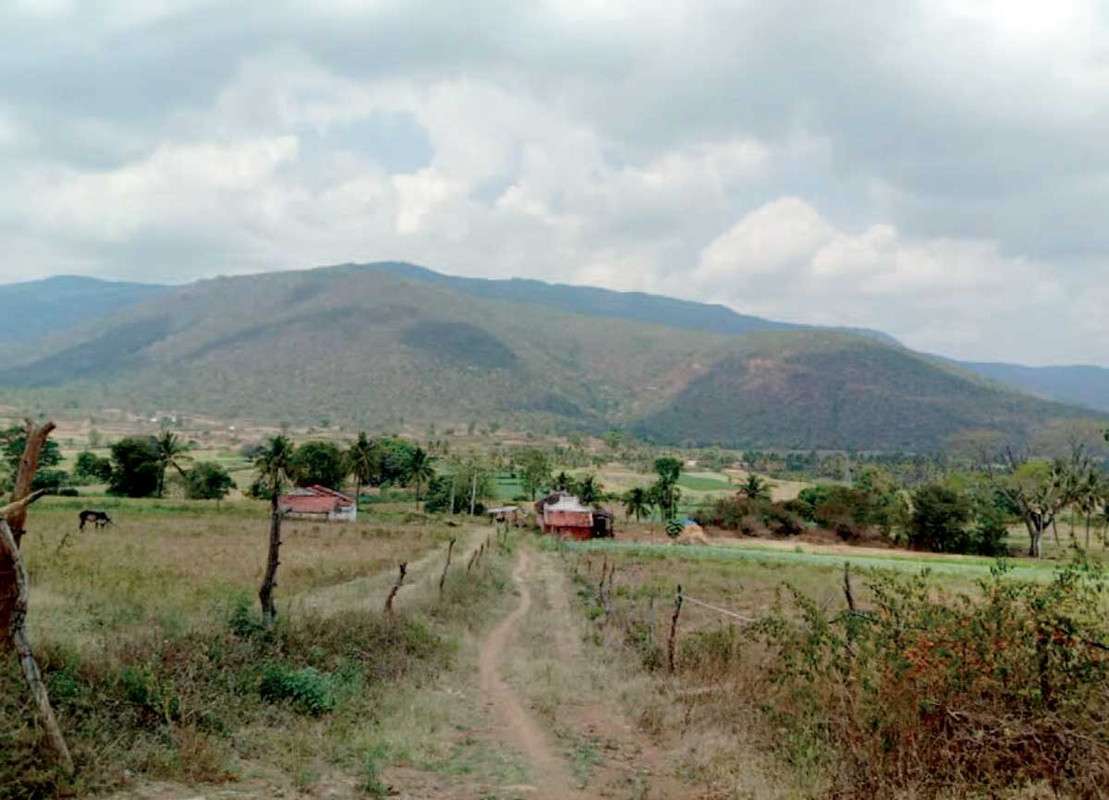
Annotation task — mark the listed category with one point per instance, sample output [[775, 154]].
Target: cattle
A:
[[99, 518]]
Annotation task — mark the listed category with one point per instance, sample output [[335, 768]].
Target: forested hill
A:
[[375, 345], [32, 310]]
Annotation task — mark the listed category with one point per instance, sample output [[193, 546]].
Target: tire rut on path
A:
[[551, 773]]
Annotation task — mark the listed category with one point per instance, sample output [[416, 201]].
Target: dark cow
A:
[[100, 518]]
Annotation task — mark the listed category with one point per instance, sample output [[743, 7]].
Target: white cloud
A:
[[955, 296], [938, 170]]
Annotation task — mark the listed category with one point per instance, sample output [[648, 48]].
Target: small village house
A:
[[318, 502], [562, 514]]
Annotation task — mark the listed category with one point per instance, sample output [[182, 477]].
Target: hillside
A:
[[1079, 384], [32, 310], [373, 347]]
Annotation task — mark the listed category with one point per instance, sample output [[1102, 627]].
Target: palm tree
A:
[[755, 488], [589, 490], [419, 469], [362, 461], [171, 453], [275, 465], [562, 482], [637, 501]]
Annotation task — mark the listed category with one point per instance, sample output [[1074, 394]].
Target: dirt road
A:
[[517, 726]]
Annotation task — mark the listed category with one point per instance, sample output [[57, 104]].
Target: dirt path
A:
[[520, 728]]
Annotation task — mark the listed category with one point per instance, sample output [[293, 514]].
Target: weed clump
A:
[[308, 690]]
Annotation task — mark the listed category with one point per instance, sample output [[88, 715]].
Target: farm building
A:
[[505, 514], [319, 501], [564, 515]]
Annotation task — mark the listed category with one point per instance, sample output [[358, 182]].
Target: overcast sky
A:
[[938, 170]]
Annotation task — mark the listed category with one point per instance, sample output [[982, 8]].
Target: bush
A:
[[308, 690], [940, 517], [751, 517], [929, 695]]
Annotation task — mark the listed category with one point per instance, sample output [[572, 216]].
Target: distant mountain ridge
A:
[[33, 310], [378, 344], [593, 301]]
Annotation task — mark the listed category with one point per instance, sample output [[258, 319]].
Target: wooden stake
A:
[[396, 587], [847, 586], [446, 566], [674, 629]]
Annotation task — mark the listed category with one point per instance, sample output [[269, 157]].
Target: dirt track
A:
[[520, 729]]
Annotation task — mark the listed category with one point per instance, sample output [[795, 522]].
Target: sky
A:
[[936, 170]]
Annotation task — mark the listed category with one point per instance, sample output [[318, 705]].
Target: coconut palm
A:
[[755, 488], [275, 467], [419, 469], [589, 489], [637, 502], [171, 453], [362, 460]]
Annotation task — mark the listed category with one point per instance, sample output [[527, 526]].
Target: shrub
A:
[[308, 690], [930, 694], [940, 517]]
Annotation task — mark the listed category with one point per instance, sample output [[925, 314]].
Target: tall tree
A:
[[364, 461], [319, 462], [589, 489], [136, 467], [665, 492], [1038, 490], [534, 466], [172, 452], [637, 502], [276, 466], [420, 469]]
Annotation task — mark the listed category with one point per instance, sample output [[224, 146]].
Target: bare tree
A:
[[14, 592]]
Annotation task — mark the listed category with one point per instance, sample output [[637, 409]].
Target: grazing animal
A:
[[99, 518]]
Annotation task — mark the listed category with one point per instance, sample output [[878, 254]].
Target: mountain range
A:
[[378, 344]]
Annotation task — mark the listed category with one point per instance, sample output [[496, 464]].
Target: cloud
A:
[[936, 169], [955, 296]]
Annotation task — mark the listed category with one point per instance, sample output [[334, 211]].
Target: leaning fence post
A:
[[396, 587], [847, 586], [446, 566], [674, 628]]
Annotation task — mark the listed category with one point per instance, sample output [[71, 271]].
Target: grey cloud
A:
[[561, 140]]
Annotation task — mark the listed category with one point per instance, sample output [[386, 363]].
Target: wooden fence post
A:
[[446, 566], [847, 586], [674, 629], [396, 587]]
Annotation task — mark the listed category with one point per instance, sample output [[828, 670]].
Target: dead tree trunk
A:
[[17, 520], [273, 560], [14, 589], [27, 663], [402, 571]]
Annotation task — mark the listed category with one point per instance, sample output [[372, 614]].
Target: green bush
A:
[[931, 694], [307, 689]]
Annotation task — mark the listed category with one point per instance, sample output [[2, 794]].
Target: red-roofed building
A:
[[319, 501]]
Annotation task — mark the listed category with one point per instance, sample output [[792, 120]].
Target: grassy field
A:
[[159, 668], [766, 687]]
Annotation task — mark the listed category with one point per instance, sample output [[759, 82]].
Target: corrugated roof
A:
[[308, 503], [566, 503]]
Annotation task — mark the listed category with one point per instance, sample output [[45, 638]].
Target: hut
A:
[[510, 514], [563, 514], [318, 502]]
